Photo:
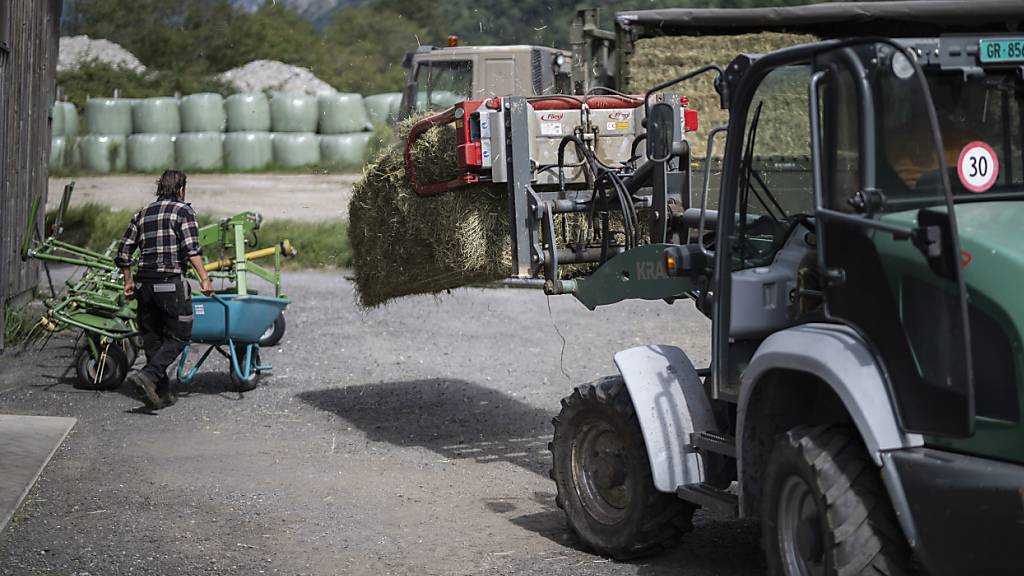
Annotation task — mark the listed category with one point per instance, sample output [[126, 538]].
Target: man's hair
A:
[[170, 183]]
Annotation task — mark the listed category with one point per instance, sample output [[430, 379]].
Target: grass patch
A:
[[18, 324], [319, 244]]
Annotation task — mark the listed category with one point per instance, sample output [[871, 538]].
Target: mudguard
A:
[[670, 404], [840, 358]]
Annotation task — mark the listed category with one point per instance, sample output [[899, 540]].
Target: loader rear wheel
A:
[[603, 476], [825, 510]]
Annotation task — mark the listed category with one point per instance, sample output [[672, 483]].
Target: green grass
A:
[[319, 244], [18, 324]]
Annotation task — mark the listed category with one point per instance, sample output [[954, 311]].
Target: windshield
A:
[[439, 85], [981, 124]]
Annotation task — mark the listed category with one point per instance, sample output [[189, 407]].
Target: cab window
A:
[[774, 190], [441, 84]]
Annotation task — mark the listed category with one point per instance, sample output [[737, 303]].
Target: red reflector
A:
[[684, 101], [690, 120]]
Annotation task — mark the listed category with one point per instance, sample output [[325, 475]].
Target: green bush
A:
[[98, 79]]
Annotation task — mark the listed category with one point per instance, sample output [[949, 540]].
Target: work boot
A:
[[168, 398], [147, 388]]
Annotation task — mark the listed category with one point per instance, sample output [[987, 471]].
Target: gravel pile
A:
[[274, 76], [78, 50]]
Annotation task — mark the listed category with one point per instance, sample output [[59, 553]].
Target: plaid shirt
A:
[[166, 234]]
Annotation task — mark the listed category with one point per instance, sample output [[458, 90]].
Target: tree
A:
[[363, 49]]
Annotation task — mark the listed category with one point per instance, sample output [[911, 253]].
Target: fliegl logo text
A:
[[619, 116], [551, 117]]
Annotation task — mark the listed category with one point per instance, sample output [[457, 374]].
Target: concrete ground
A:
[[306, 197], [405, 440]]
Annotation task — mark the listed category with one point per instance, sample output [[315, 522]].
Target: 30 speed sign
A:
[[978, 166]]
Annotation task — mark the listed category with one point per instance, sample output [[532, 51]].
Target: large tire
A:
[[111, 372], [274, 332], [825, 510], [603, 476]]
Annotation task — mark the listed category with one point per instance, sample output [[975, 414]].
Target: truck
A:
[[866, 383], [439, 77]]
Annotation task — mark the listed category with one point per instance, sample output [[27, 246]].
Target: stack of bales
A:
[[109, 121], [64, 136], [200, 146], [293, 118], [156, 123], [344, 130], [247, 145]]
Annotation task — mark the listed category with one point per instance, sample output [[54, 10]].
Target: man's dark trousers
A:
[[165, 322]]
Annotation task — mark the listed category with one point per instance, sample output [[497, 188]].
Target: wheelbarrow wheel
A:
[[131, 350], [274, 332], [104, 373], [250, 383]]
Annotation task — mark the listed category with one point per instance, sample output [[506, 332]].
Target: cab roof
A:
[[905, 18]]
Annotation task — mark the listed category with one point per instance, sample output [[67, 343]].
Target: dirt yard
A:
[[306, 197], [406, 440]]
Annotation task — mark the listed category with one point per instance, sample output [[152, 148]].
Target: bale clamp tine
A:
[[418, 129]]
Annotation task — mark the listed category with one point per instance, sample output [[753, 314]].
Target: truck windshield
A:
[[981, 122], [440, 84]]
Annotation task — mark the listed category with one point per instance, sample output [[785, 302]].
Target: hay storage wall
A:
[[29, 30]]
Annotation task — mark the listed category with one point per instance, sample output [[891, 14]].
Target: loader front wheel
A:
[[603, 476], [825, 510]]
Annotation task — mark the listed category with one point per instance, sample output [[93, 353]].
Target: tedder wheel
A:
[[103, 373], [250, 383], [603, 476], [274, 332], [825, 510]]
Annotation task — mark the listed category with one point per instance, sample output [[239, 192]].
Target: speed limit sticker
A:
[[978, 166]]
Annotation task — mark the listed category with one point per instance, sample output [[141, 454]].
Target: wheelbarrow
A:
[[234, 322]]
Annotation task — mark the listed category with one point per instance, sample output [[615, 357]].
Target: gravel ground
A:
[[305, 197], [406, 440]]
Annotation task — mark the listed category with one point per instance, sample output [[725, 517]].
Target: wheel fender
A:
[[838, 356], [670, 404]]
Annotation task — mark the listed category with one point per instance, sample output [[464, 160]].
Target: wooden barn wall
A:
[[27, 84]]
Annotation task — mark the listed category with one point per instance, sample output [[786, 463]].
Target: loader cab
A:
[[439, 77], [846, 170]]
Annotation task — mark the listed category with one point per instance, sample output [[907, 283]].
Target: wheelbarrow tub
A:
[[243, 318]]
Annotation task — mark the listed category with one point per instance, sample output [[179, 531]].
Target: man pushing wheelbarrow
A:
[[166, 235]]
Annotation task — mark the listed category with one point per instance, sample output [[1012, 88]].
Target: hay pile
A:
[[403, 244], [658, 59]]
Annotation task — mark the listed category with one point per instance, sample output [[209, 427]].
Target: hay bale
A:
[[658, 59], [403, 244]]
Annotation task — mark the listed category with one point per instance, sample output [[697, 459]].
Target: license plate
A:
[[1005, 50]]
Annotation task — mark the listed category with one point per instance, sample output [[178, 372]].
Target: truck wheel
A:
[[104, 373], [825, 510], [603, 476]]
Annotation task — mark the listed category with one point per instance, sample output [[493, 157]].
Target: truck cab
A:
[[440, 77]]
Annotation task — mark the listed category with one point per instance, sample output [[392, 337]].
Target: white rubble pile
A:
[[274, 76], [76, 51]]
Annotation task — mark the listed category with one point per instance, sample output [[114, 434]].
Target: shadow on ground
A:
[[455, 418]]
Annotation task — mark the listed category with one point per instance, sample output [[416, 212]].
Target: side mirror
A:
[[660, 132], [687, 260]]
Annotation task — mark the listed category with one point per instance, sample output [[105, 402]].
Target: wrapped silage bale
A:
[[381, 108], [150, 152], [158, 115], [296, 149], [70, 120], [203, 112], [108, 116], [342, 113], [57, 127], [104, 152], [199, 150], [248, 112], [293, 112], [344, 150], [72, 152], [58, 150], [247, 150]]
